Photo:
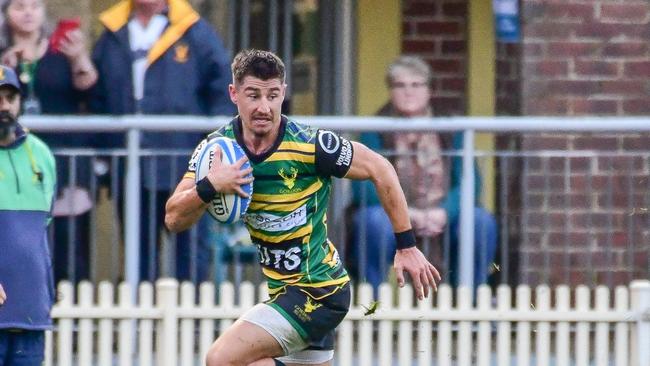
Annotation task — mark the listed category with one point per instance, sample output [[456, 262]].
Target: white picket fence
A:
[[556, 328]]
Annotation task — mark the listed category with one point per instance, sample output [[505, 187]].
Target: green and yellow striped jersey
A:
[[287, 217]]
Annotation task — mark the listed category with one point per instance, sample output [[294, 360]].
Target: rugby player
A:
[[292, 165]]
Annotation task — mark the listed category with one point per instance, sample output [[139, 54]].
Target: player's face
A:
[[259, 103], [410, 94], [26, 16]]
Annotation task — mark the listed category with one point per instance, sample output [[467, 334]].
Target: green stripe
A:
[[294, 324]]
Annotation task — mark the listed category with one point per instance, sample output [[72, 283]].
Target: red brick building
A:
[[575, 58]]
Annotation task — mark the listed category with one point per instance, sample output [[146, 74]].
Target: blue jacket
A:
[[27, 185], [188, 74]]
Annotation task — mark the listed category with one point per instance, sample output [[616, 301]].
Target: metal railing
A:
[[133, 126]]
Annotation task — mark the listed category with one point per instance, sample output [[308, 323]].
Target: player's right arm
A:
[[185, 207]]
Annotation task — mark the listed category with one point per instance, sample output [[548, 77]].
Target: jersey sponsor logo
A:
[[289, 180], [328, 141], [345, 156], [275, 223], [282, 260]]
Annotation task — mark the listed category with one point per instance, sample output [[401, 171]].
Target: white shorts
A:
[[292, 343]]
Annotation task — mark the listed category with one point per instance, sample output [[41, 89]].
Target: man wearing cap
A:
[[27, 186]]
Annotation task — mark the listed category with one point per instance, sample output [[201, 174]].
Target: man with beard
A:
[[27, 186]]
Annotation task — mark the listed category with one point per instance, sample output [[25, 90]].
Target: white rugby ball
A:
[[225, 208]]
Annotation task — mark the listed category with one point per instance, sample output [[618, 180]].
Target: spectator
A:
[[54, 79], [160, 57], [27, 185], [422, 170]]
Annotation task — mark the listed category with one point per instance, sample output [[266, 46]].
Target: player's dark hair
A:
[[263, 65]]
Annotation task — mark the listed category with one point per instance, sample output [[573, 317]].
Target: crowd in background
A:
[[160, 57]]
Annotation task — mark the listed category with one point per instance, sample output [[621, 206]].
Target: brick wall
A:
[[585, 58], [436, 30]]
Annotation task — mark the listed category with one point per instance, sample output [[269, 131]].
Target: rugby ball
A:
[[225, 208]]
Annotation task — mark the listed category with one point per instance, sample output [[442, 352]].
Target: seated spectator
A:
[[161, 57], [435, 205], [54, 77]]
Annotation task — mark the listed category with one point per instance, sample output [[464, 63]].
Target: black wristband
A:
[[205, 190], [405, 239]]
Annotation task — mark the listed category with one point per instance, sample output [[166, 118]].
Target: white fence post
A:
[[622, 330], [105, 345], [365, 327], [85, 335], [167, 301], [145, 336], [206, 336], [640, 296], [64, 344]]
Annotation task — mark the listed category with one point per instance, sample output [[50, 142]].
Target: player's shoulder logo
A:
[[181, 53], [328, 141]]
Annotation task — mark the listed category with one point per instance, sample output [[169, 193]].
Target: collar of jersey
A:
[[255, 158]]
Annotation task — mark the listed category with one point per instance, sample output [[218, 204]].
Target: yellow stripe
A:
[[303, 231], [337, 281], [191, 175], [116, 16], [276, 206], [298, 146], [282, 156], [274, 291], [279, 198], [171, 35], [292, 278], [335, 290]]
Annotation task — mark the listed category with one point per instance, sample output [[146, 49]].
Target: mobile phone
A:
[[64, 26]]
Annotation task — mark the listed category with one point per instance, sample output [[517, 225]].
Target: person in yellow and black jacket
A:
[[160, 57], [27, 187]]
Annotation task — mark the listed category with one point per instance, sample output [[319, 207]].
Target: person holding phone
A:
[[55, 72], [53, 75]]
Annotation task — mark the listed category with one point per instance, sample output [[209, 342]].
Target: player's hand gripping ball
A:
[[229, 207]]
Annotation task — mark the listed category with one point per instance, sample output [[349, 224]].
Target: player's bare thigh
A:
[[243, 343]]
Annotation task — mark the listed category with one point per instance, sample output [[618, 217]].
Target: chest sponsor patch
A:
[[275, 223]]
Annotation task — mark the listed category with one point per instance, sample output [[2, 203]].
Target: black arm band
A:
[[205, 190], [405, 239]]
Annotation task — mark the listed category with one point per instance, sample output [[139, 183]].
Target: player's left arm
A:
[[367, 164], [338, 157]]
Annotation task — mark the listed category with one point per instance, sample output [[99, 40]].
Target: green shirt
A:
[[287, 217]]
